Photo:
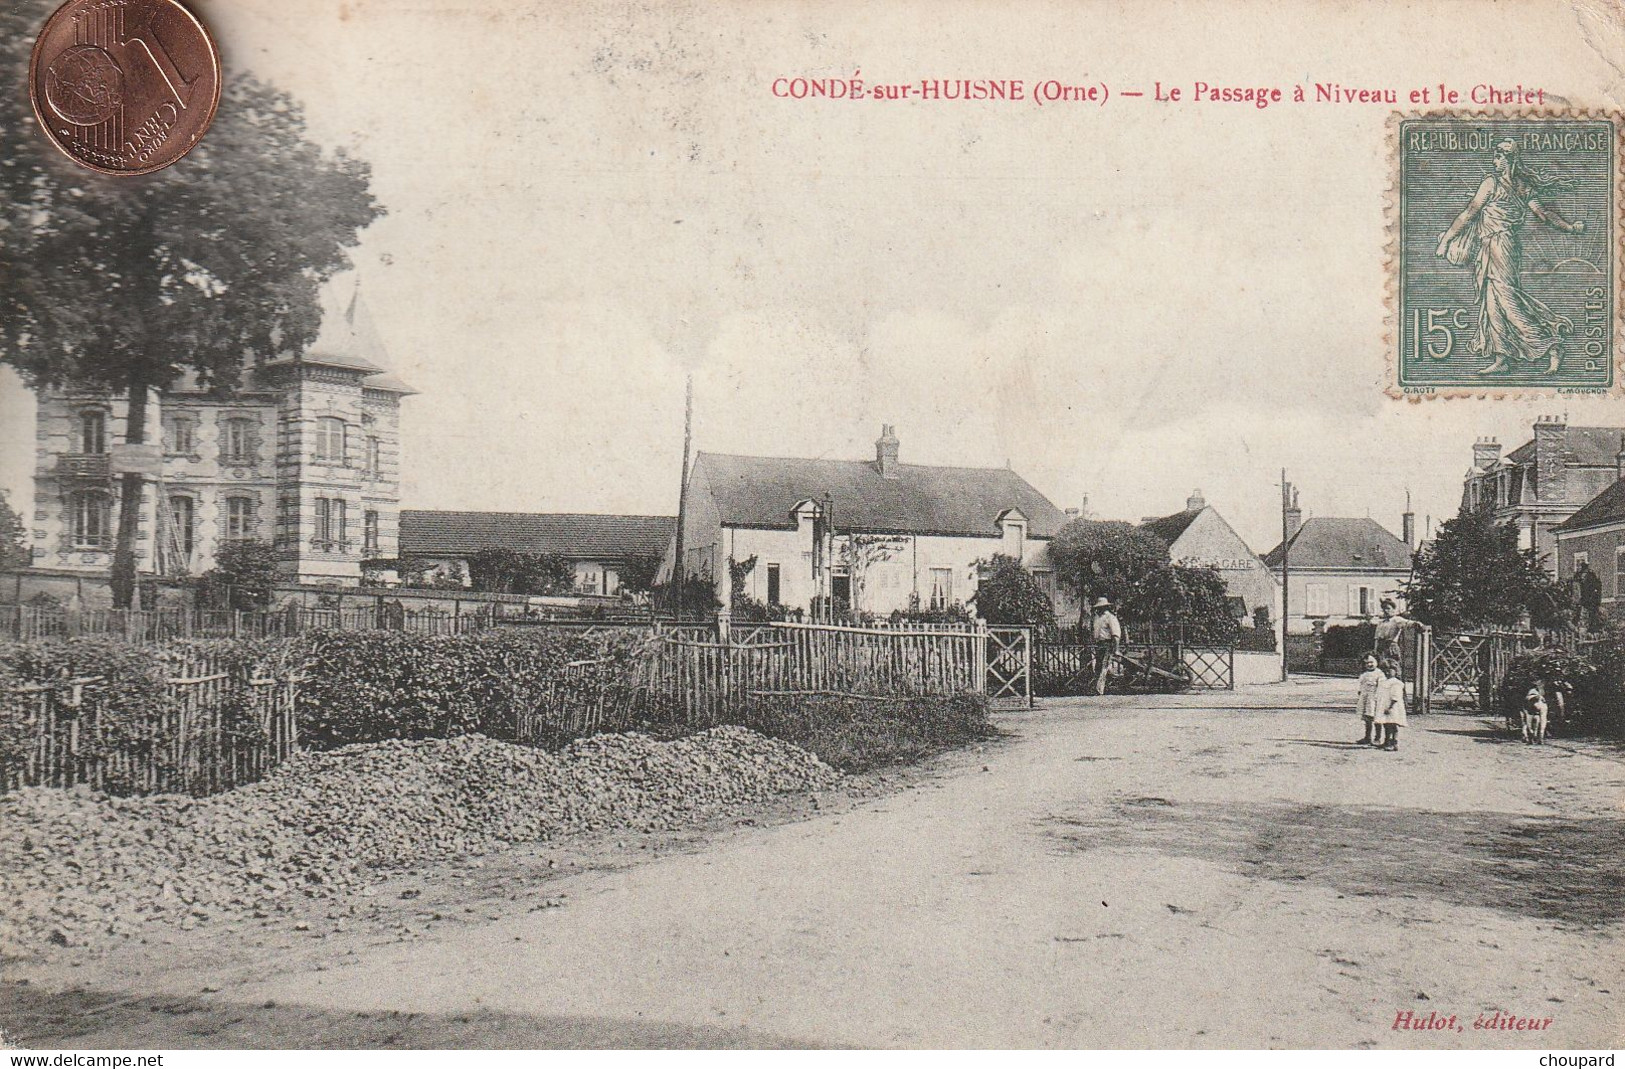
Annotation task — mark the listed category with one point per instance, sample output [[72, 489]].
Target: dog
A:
[[1535, 713]]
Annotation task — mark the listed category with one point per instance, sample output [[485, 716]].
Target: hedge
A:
[[364, 686]]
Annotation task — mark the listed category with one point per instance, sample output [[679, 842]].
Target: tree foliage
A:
[[241, 578], [505, 571], [1177, 601], [1473, 575], [14, 551], [124, 284], [1105, 558], [1007, 593]]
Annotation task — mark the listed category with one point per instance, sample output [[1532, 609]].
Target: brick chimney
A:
[[1294, 515], [1196, 502], [1407, 522], [1619, 459], [1551, 466], [886, 447], [1486, 451]]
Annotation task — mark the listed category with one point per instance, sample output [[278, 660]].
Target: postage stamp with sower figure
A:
[[1507, 258]]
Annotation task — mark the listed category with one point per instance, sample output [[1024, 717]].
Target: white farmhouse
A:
[[878, 536]]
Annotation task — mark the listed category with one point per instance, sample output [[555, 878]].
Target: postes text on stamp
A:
[[1507, 265]]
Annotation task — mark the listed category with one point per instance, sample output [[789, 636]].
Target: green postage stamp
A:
[[1505, 278]]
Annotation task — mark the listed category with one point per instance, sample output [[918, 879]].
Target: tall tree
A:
[[1174, 600], [1474, 575], [123, 284], [14, 551], [1105, 558]]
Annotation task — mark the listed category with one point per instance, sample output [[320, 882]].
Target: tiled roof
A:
[[1606, 507], [922, 499], [1169, 528], [1336, 542], [1589, 446], [431, 533]]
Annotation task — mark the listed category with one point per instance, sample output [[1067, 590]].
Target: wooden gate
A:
[[1010, 665], [1464, 668]]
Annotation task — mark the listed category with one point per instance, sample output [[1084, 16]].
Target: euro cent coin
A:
[[125, 87]]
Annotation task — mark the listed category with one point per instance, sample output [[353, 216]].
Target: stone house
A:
[[1340, 569], [304, 455], [1595, 536], [1543, 482], [1198, 537]]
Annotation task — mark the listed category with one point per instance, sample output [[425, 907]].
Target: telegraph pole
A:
[[677, 566], [1286, 552]]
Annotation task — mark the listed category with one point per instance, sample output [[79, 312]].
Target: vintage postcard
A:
[[1037, 524]]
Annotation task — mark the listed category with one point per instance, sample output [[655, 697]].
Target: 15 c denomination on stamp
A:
[[1506, 261]]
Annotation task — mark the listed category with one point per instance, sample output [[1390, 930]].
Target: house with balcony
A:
[[874, 536], [1543, 482], [304, 454]]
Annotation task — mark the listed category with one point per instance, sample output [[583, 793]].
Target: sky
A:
[[588, 201]]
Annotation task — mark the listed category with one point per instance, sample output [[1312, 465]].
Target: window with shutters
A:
[[375, 461], [942, 587], [369, 533], [1317, 600]]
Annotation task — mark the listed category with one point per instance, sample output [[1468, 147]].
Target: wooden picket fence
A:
[[29, 623], [709, 682], [221, 727]]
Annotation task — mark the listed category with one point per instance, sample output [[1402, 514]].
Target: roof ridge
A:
[[862, 462]]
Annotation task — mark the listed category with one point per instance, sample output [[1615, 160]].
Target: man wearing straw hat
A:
[[1107, 633]]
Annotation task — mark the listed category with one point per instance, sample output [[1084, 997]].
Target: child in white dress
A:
[[1391, 704], [1365, 704]]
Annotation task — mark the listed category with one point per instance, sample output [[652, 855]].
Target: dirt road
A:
[[1117, 872]]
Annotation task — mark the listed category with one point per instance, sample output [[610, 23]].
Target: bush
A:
[[1008, 594], [364, 686], [855, 734], [1348, 642]]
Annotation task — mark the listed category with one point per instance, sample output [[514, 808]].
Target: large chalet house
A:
[[876, 536], [603, 549], [1543, 482], [303, 455]]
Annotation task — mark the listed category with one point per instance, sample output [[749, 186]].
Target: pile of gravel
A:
[[78, 868]]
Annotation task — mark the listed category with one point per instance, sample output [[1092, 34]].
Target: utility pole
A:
[[678, 570], [1286, 574]]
